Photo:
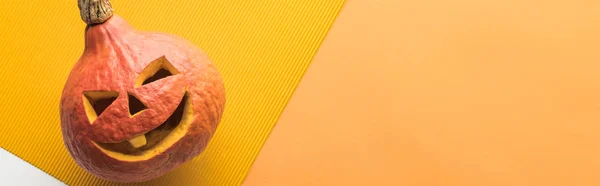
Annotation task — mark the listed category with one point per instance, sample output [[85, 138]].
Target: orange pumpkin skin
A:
[[114, 57]]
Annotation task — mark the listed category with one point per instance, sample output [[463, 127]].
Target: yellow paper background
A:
[[262, 49]]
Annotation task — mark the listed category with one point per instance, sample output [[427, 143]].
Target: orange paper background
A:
[[431, 92]]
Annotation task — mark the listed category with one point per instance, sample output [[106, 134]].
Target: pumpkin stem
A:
[[95, 11]]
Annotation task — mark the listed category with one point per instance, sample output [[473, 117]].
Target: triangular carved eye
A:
[[95, 102], [156, 70]]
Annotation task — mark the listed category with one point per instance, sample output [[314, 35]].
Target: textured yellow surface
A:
[[261, 47]]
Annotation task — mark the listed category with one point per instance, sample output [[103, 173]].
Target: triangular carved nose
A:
[[135, 105]]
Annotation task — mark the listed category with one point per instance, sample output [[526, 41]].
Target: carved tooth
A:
[[138, 141]]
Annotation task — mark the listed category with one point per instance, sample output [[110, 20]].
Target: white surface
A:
[[15, 171]]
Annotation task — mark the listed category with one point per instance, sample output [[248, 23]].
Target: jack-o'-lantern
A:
[[137, 104]]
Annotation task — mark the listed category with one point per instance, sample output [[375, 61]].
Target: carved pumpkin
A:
[[136, 104]]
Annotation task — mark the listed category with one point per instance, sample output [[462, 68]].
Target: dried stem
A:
[[95, 11]]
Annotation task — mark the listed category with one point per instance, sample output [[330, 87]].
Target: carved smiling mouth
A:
[[141, 143]]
